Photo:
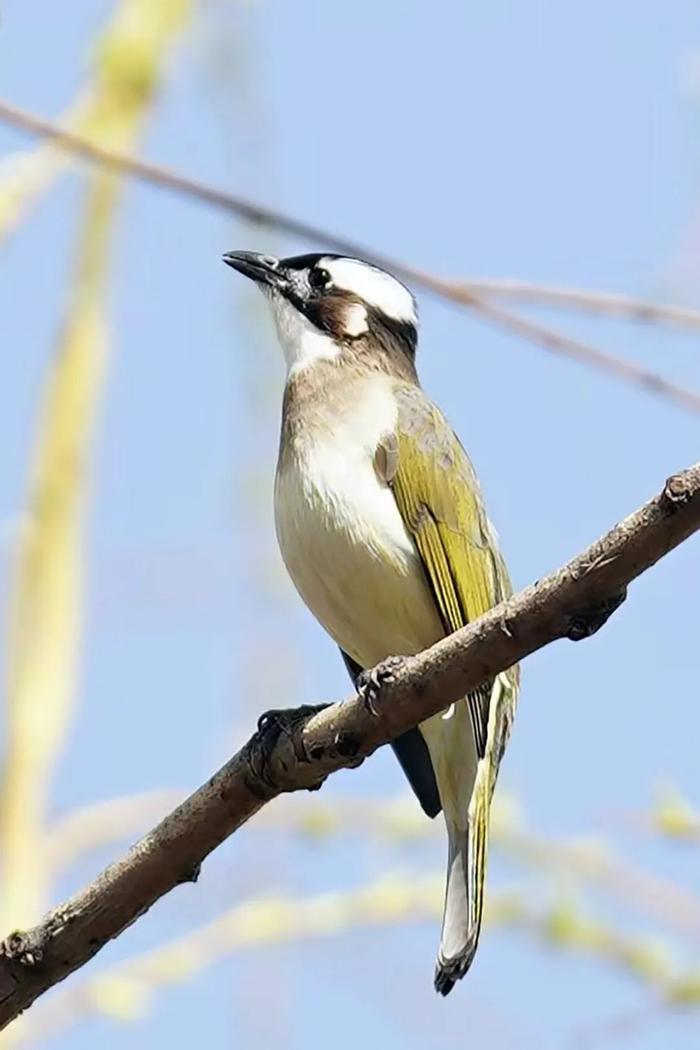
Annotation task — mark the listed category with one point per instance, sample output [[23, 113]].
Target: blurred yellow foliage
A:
[[126, 66], [674, 816], [125, 991], [45, 613]]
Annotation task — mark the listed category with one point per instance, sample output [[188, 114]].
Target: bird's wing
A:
[[438, 496]]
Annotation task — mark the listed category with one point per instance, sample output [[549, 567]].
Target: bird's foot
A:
[[371, 683], [285, 719], [280, 730], [585, 622]]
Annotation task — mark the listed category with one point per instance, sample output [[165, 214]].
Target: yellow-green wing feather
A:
[[439, 498]]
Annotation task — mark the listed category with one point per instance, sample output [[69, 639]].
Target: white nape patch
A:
[[302, 342], [355, 320], [373, 286]]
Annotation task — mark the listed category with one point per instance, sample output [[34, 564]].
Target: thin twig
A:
[[464, 293], [612, 304], [296, 750], [590, 355], [587, 300]]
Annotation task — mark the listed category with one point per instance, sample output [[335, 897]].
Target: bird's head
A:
[[328, 305]]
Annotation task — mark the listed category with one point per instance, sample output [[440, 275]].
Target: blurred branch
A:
[[297, 749], [585, 860], [464, 293], [676, 818], [124, 991], [45, 610], [608, 304], [559, 343], [102, 824], [124, 73], [649, 960], [672, 816], [24, 177], [595, 862]]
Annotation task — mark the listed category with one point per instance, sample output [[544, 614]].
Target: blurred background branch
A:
[[587, 300], [87, 830], [464, 293], [125, 992], [583, 859], [126, 67]]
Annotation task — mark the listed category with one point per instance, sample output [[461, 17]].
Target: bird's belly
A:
[[348, 553]]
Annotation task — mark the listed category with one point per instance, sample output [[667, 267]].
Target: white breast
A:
[[343, 540]]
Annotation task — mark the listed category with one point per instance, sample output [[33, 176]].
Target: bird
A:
[[382, 528]]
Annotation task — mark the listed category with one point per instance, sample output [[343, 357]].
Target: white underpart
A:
[[373, 286], [302, 343], [343, 539]]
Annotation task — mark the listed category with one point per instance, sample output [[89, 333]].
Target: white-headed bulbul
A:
[[382, 527]]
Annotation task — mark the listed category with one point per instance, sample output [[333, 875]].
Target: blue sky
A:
[[551, 142]]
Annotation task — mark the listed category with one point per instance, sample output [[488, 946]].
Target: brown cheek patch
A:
[[331, 313], [339, 315]]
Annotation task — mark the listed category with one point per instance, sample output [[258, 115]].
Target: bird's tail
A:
[[466, 870]]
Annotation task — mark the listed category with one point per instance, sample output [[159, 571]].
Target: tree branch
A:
[[297, 749], [566, 346], [586, 300], [470, 294]]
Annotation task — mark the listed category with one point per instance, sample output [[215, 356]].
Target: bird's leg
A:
[[370, 683], [585, 622]]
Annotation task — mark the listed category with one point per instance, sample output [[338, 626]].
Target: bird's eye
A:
[[318, 277]]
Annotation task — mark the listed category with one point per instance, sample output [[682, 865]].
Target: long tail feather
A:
[[466, 871]]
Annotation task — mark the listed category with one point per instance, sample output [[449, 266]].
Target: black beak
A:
[[263, 269]]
